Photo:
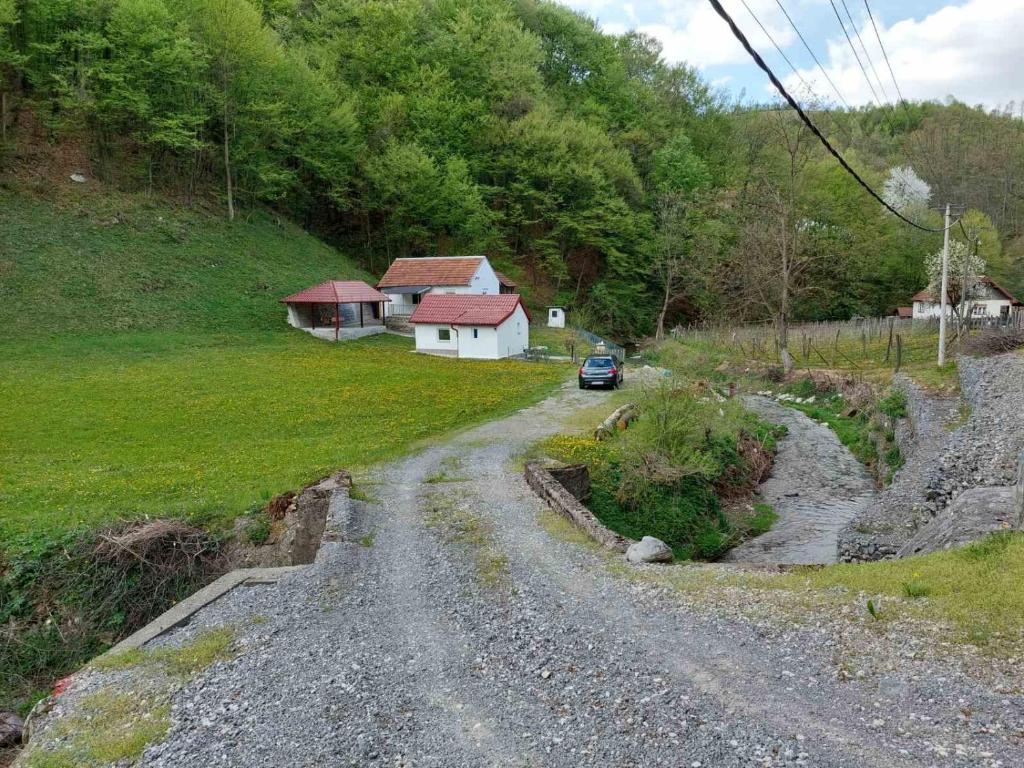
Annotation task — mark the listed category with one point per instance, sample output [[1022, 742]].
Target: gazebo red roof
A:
[[467, 308], [337, 292]]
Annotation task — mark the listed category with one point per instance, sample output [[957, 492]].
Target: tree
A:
[[905, 190], [10, 59], [241, 51], [679, 176], [963, 286]]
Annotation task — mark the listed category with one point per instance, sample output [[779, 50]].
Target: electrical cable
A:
[[856, 55], [779, 49], [742, 38], [810, 50], [867, 55]]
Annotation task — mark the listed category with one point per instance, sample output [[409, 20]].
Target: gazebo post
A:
[[360, 314], [312, 314], [337, 320]]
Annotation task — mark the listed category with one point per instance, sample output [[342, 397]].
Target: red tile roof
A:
[[508, 283], [431, 270], [467, 308], [905, 311], [336, 292]]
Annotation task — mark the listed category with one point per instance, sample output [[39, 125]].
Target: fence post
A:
[[1018, 492], [888, 349], [899, 352]]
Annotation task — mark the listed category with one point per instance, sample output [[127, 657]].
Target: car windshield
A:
[[598, 362]]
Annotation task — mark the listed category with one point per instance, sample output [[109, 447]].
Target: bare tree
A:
[[776, 244]]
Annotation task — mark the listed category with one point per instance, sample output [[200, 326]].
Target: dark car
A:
[[601, 369]]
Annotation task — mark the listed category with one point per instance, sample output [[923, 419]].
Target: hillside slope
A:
[[91, 262]]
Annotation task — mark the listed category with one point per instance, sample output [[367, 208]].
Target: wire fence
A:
[[857, 343]]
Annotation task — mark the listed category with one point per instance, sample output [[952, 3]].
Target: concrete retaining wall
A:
[[566, 504]]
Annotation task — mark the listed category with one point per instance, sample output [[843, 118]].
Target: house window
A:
[[416, 298], [443, 334], [476, 333], [519, 328]]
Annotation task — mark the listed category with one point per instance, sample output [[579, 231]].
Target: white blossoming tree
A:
[[904, 189], [965, 269]]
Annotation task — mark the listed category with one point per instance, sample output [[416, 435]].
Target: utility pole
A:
[[943, 300]]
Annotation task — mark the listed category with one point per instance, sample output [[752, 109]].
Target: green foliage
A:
[[663, 476], [893, 405], [258, 528]]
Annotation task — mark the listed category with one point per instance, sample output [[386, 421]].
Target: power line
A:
[[885, 55], [738, 34], [779, 49], [855, 54], [867, 55], [799, 34]]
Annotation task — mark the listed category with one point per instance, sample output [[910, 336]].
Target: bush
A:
[[663, 477]]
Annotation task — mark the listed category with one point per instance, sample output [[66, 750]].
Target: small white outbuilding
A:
[[486, 327], [556, 317]]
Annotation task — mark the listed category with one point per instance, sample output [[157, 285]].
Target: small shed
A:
[[336, 304], [556, 317]]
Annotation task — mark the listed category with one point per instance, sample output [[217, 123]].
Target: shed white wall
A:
[[427, 340], [509, 338], [514, 334], [556, 317]]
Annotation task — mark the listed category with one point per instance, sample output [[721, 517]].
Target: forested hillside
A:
[[606, 178]]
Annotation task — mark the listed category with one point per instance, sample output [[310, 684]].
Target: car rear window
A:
[[598, 362]]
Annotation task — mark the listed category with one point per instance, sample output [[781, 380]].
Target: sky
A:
[[972, 50]]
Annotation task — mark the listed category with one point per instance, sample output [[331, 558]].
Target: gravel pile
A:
[[984, 450]]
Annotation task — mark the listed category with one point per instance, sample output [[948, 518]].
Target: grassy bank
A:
[[205, 427]]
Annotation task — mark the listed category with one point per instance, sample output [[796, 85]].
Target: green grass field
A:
[[96, 429]]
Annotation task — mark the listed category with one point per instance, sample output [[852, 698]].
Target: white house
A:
[[407, 281], [471, 325], [991, 301]]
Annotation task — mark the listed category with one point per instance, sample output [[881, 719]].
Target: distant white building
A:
[[407, 281], [479, 326], [556, 317], [991, 301]]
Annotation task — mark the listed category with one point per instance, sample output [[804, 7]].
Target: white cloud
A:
[[972, 51], [691, 31]]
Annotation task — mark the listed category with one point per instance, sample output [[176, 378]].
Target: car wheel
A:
[[582, 385]]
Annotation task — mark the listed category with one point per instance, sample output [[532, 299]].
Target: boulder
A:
[[10, 729], [973, 515], [649, 550]]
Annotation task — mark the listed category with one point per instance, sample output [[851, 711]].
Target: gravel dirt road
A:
[[448, 622]]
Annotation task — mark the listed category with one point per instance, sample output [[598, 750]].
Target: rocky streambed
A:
[[951, 445]]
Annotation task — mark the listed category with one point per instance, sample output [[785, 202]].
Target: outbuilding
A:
[[486, 327], [556, 317], [337, 306]]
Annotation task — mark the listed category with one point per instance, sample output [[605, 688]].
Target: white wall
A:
[[427, 341], [514, 334], [984, 308], [510, 338], [484, 347], [485, 280]]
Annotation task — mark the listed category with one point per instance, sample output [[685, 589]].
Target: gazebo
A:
[[336, 304]]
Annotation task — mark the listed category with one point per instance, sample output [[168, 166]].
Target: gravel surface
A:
[[984, 451], [942, 462], [442, 625], [902, 507], [816, 487]]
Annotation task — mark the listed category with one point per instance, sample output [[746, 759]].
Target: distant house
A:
[[991, 301], [407, 281], [337, 305], [506, 285], [474, 326], [904, 313]]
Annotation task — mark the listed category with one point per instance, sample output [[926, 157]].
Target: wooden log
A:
[[619, 419]]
